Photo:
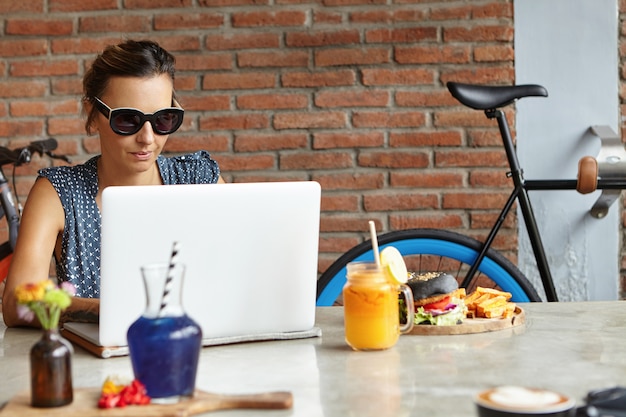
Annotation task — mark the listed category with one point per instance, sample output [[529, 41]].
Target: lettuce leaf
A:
[[451, 318]]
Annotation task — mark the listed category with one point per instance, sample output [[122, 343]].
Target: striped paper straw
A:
[[167, 288]]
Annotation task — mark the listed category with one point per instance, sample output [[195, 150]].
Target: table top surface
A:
[[571, 348]]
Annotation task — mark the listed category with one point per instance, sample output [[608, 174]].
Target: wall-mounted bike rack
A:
[[611, 164]]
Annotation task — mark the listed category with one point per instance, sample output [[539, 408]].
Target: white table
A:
[[568, 347]]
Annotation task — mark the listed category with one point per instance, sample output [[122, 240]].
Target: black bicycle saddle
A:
[[488, 97]]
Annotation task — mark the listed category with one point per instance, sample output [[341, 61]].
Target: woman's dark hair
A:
[[128, 59]]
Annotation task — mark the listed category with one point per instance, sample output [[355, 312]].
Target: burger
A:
[[437, 298]]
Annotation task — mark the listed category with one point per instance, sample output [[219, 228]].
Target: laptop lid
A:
[[250, 251]]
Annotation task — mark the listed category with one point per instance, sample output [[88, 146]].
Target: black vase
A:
[[51, 371]]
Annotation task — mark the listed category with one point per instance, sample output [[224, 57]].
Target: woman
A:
[[130, 103]]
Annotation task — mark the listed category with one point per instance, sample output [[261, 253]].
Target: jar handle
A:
[[410, 308]]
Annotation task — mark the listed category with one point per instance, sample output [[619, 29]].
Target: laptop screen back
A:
[[250, 251]]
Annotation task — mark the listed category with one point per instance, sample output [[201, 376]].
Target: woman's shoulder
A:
[[72, 175], [192, 168], [80, 170]]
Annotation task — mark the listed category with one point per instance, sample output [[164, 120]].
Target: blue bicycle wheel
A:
[[429, 250]]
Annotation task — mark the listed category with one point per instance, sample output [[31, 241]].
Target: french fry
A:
[[489, 303]]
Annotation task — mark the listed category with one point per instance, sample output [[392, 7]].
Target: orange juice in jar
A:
[[371, 313]]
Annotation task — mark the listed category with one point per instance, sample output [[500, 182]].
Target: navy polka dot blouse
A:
[[77, 187]]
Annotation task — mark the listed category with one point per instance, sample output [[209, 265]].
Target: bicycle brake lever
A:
[[61, 157]]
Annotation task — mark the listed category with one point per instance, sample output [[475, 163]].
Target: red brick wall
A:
[[349, 93]]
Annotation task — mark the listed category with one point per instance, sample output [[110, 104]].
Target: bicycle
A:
[[10, 207], [476, 263]]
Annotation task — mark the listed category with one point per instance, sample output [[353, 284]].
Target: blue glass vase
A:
[[165, 343]]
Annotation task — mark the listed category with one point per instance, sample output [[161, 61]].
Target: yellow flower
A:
[[45, 300], [29, 292]]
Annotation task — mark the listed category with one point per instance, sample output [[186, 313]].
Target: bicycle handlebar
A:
[[23, 155]]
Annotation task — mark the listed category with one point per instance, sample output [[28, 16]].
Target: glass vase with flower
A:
[[51, 356]]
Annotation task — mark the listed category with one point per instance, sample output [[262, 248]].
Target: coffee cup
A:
[[515, 401]]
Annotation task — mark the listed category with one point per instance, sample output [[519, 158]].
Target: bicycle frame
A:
[[8, 207], [520, 193]]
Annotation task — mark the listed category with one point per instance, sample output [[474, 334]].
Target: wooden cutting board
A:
[[85, 404], [472, 325]]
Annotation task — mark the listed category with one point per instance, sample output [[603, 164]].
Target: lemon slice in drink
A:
[[393, 264]]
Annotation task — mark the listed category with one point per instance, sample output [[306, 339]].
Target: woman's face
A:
[[138, 152]]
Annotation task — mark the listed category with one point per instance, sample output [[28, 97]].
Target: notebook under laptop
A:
[[250, 251]]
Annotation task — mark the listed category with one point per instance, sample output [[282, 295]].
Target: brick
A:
[[427, 179], [478, 75], [204, 62], [389, 159], [357, 181], [469, 200], [248, 142], [438, 221], [315, 160], [183, 143], [325, 17], [311, 120], [421, 138], [43, 68], [337, 244], [363, 98], [319, 79], [502, 33], [319, 38], [186, 82], [489, 179], [232, 3], [441, 12], [66, 86], [283, 59], [432, 54], [465, 118], [156, 4], [343, 224], [205, 102], [13, 88], [395, 201], [15, 128], [241, 41], [362, 119], [12, 6], [332, 3], [376, 77], [492, 10], [401, 35], [81, 45], [116, 23], [66, 126], [23, 47], [340, 202], [464, 158], [266, 176], [345, 56], [438, 98], [229, 162], [234, 121], [193, 20], [41, 27], [487, 220], [43, 108], [494, 53], [80, 5], [272, 101], [267, 18], [230, 81], [323, 140]]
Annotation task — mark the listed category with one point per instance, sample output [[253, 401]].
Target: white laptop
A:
[[250, 251]]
